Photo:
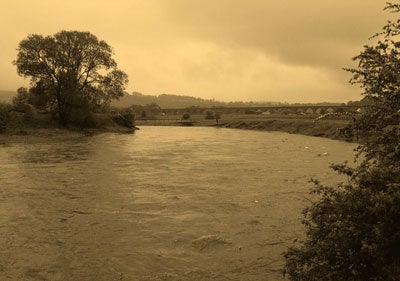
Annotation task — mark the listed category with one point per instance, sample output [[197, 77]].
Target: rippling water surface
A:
[[167, 203]]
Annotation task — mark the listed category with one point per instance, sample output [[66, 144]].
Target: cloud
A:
[[308, 32], [227, 50], [212, 71]]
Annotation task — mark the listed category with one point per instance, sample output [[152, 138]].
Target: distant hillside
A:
[[6, 96], [175, 101], [165, 101]]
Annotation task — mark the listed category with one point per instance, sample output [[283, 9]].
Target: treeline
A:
[[167, 101]]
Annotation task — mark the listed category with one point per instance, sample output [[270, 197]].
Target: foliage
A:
[[35, 96], [379, 76], [145, 111], [209, 115], [5, 110], [194, 104], [20, 101], [124, 118], [71, 71], [152, 108], [186, 116], [352, 231], [213, 115], [193, 109]]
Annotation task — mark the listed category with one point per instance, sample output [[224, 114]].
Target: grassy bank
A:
[[325, 128], [39, 135], [32, 123], [304, 125], [32, 127]]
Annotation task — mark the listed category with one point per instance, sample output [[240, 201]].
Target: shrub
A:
[[209, 115], [20, 101], [124, 118], [352, 231], [186, 116], [5, 110]]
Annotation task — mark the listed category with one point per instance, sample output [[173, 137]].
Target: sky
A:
[[227, 50]]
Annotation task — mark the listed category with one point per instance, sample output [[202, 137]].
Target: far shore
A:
[[327, 128], [36, 135], [309, 127]]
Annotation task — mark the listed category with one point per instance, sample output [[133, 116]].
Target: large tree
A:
[[74, 69], [353, 229]]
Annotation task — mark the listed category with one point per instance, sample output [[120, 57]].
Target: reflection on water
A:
[[128, 207], [75, 150]]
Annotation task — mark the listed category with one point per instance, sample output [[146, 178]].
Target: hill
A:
[[175, 101], [165, 101]]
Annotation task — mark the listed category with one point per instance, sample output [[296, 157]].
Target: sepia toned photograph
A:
[[184, 140]]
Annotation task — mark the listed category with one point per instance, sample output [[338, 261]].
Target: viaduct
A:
[[306, 109]]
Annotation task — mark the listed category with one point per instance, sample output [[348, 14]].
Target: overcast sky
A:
[[260, 50]]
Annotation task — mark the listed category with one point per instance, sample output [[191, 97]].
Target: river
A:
[[165, 203]]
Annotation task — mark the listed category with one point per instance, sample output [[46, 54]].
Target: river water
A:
[[165, 203]]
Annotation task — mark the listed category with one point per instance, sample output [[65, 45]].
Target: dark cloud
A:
[[223, 49], [311, 32]]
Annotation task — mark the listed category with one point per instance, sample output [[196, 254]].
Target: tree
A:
[[36, 96], [209, 115], [186, 116], [21, 99], [153, 108], [352, 230], [74, 69], [5, 110]]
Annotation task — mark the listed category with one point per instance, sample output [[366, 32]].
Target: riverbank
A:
[[44, 129], [326, 128], [37, 135], [309, 127], [39, 127]]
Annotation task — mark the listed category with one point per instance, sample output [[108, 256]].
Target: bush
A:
[[186, 116], [124, 118], [30, 113], [83, 118], [209, 115], [20, 101], [5, 110], [352, 231]]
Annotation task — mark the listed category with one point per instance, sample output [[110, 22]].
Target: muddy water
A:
[[167, 203]]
